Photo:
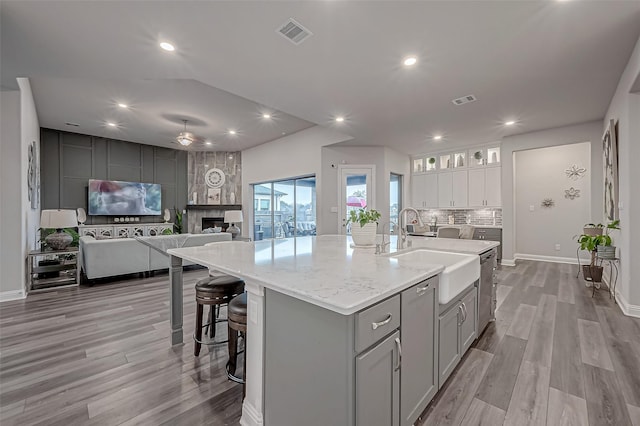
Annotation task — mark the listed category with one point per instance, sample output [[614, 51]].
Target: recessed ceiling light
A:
[[207, 143], [121, 105], [509, 123], [266, 115], [410, 61], [167, 46], [111, 124], [339, 119], [437, 137], [232, 132]]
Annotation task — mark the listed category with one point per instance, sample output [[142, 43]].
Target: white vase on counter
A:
[[364, 236]]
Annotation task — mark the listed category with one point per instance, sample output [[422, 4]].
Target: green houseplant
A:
[[177, 225], [596, 242], [365, 234]]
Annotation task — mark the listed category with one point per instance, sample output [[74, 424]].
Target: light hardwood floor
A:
[[554, 356], [100, 355]]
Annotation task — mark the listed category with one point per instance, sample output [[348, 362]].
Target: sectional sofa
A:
[[120, 256]]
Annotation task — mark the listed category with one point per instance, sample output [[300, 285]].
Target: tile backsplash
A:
[[478, 217]]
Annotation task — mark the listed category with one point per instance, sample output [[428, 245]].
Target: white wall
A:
[[540, 174], [29, 132], [11, 277], [291, 156], [625, 107], [19, 223], [585, 132]]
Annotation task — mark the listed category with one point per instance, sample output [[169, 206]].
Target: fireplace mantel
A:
[[214, 206]]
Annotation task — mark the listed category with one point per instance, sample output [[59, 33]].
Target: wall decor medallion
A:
[[547, 203], [571, 193], [574, 172], [214, 178]]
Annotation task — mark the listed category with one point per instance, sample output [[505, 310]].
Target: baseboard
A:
[[508, 262], [553, 259], [250, 416], [6, 296], [627, 308]]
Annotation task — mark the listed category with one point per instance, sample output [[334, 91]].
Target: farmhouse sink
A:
[[460, 270]]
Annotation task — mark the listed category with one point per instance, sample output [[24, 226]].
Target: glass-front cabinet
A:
[[424, 164], [484, 156]]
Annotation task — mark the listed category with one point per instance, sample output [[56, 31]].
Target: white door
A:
[[460, 188], [476, 188], [356, 190], [445, 187], [493, 187]]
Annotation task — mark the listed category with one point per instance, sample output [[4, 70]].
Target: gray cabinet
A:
[[378, 384], [449, 350], [457, 330], [469, 323], [419, 334]]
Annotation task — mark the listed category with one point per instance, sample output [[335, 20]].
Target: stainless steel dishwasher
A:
[[487, 291]]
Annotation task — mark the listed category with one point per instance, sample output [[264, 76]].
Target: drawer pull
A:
[[421, 290], [386, 321]]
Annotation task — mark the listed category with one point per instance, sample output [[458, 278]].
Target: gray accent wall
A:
[[69, 160]]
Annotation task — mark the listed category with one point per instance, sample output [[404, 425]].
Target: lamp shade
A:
[[233, 216], [56, 219]]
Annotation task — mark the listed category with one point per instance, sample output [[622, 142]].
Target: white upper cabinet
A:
[[485, 187], [452, 189], [424, 191]]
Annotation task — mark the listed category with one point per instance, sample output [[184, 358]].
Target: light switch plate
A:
[[334, 210], [532, 208]]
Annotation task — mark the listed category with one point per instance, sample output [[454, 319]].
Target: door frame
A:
[[366, 168]]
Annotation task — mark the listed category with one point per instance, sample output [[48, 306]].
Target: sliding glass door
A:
[[284, 208]]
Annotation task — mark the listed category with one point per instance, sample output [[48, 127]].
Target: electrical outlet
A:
[[557, 247]]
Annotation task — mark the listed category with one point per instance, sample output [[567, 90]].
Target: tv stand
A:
[[125, 230]]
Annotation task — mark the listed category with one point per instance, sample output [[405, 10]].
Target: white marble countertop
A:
[[323, 270], [453, 244]]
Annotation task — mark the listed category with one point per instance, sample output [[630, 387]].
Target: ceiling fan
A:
[[185, 138]]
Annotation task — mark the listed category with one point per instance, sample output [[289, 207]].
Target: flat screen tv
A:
[[116, 198]]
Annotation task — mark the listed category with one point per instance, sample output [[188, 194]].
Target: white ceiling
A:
[[542, 63]]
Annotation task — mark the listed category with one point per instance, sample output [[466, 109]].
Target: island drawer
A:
[[376, 322]]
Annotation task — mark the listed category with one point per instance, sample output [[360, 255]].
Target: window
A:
[[395, 198], [284, 208]]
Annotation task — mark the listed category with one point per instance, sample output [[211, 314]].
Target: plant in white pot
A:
[[364, 224]]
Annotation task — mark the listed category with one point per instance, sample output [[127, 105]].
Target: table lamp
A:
[[232, 217], [58, 219]]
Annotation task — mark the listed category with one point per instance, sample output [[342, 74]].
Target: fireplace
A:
[[212, 222]]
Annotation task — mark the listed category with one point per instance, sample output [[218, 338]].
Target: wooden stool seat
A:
[[237, 315], [213, 291]]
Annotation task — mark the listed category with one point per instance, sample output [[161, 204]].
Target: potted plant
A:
[[596, 242], [177, 225], [607, 250], [365, 233]]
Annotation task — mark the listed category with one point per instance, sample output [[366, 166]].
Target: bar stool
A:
[[237, 324], [213, 291]]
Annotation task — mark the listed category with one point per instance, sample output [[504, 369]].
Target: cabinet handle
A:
[[460, 321], [464, 312], [399, 347], [386, 321], [421, 290]]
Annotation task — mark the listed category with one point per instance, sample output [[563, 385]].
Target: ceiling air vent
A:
[[294, 32], [464, 100], [68, 123]]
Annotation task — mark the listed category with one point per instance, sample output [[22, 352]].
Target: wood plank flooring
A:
[[557, 357], [100, 356]]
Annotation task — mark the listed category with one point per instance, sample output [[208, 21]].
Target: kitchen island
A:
[[323, 319]]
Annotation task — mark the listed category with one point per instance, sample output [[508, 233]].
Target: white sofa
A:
[[119, 256]]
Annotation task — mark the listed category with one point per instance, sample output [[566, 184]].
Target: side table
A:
[[52, 269]]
